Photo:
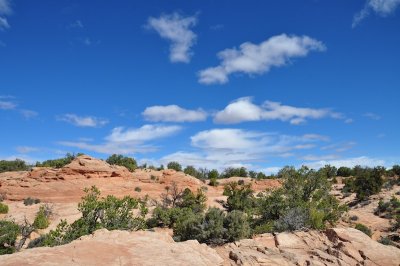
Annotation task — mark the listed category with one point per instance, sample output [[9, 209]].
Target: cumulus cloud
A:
[[5, 9], [176, 29], [127, 141], [382, 8], [243, 110], [83, 121], [349, 162], [259, 58], [173, 113], [221, 148]]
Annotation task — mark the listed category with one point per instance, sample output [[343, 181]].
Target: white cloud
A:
[[311, 157], [77, 24], [349, 162], [5, 9], [127, 141], [242, 110], [7, 105], [26, 149], [28, 113], [173, 113], [382, 8], [259, 58], [221, 148], [176, 29], [83, 121], [372, 116]]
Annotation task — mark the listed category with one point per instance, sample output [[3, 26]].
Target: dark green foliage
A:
[[128, 162], [30, 201], [213, 182], [213, 174], [3, 208], [190, 170], [237, 226], [366, 182], [175, 166], [195, 202], [329, 171], [9, 232], [363, 229], [302, 202], [240, 197], [386, 241], [396, 169], [15, 165], [110, 213], [42, 218], [58, 163], [261, 175], [230, 171], [344, 171], [389, 209]]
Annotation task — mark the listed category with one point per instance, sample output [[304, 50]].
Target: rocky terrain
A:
[[63, 188]]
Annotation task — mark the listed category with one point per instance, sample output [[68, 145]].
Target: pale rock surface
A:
[[104, 247]]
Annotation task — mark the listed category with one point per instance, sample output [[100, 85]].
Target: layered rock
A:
[[119, 248], [337, 246]]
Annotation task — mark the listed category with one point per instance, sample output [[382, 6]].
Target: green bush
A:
[[3, 208], [128, 162], [190, 170], [240, 197], [9, 232], [58, 163], [237, 226], [213, 182], [396, 169], [30, 201], [15, 165], [366, 182], [363, 229], [344, 171], [42, 218], [110, 213], [329, 171], [175, 166], [230, 172], [138, 189]]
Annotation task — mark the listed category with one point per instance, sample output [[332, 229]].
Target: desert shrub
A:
[[231, 171], [363, 229], [213, 182], [389, 209], [110, 213], [241, 182], [240, 197], [138, 189], [344, 171], [3, 196], [15, 165], [213, 174], [58, 163], [42, 217], [261, 175], [302, 202], [329, 171], [30, 201], [128, 162], [286, 172], [396, 169], [195, 202], [190, 170], [175, 166], [354, 218], [366, 182], [386, 241], [9, 232], [237, 226], [3, 208]]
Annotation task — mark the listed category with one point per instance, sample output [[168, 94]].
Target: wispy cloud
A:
[[259, 58], [348, 162], [26, 149], [83, 121], [127, 141], [7, 105], [173, 113], [176, 29], [373, 116], [382, 8], [243, 109], [5, 9], [77, 24], [28, 114]]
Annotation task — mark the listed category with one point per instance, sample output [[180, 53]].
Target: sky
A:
[[214, 84]]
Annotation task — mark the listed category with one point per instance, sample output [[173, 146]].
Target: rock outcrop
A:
[[119, 248], [337, 246]]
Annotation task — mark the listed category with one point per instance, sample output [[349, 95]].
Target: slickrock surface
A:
[[338, 246], [119, 248]]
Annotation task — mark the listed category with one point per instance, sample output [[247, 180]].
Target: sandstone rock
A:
[[119, 248]]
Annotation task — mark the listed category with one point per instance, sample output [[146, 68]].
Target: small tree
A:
[[190, 170], [9, 232], [175, 166], [128, 162], [42, 217], [344, 171]]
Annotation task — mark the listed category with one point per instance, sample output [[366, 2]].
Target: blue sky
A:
[[208, 83]]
